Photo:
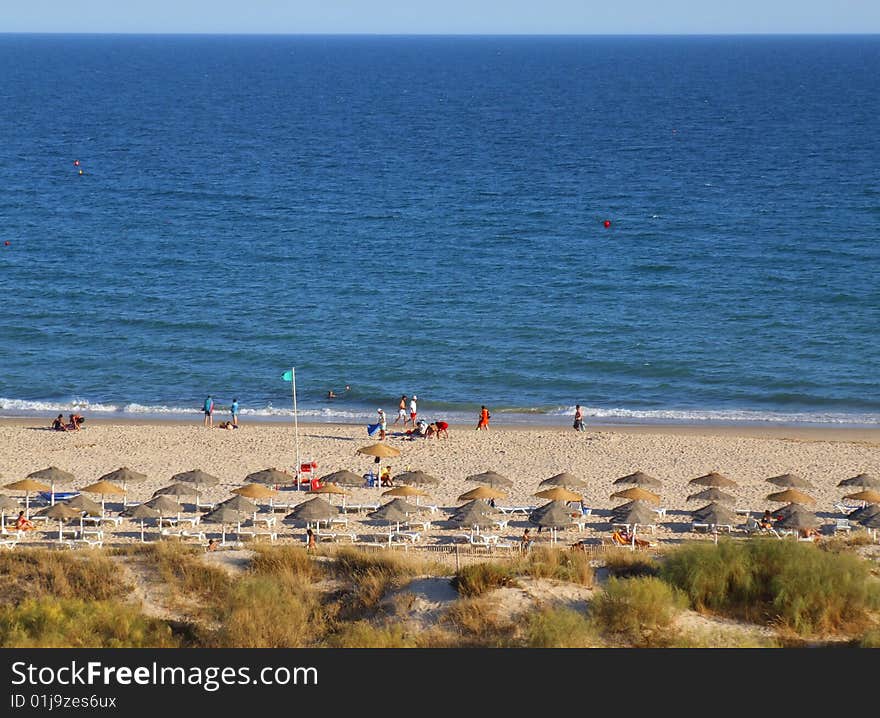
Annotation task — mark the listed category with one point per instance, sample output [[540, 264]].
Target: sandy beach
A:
[[527, 456]]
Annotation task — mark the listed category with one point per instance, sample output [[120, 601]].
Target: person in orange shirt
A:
[[483, 422]]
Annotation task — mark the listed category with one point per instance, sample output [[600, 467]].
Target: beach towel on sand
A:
[[372, 429]]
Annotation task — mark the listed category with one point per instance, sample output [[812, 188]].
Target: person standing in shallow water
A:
[[234, 411], [578, 418], [209, 411]]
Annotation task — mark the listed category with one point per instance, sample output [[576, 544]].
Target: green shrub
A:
[[796, 586], [630, 564], [478, 578], [560, 628], [73, 623], [636, 609], [363, 634], [871, 639]]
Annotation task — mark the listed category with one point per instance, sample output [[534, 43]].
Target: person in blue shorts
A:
[[209, 411], [234, 411]]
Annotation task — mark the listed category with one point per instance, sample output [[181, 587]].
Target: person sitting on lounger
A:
[[213, 544], [385, 477], [22, 523], [766, 521]]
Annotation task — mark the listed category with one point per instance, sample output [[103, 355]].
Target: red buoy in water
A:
[[606, 223], [6, 243], [76, 163]]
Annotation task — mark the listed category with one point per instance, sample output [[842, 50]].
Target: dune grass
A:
[[49, 622], [559, 564], [559, 627], [476, 622], [636, 611], [37, 573], [798, 587]]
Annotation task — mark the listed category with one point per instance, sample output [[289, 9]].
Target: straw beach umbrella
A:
[[864, 512], [869, 496], [566, 480], [53, 475], [255, 491], [313, 511], [273, 477], [639, 478], [552, 516], [638, 513], [383, 451], [475, 505], [197, 477], [636, 493], [394, 512], [241, 504], [165, 505], [416, 478], [559, 493], [104, 488], [790, 509], [125, 476], [799, 521], [481, 492], [178, 490], [491, 478], [62, 513], [862, 481], [719, 481], [790, 481], [142, 512], [28, 485], [343, 478], [792, 496], [330, 490], [474, 516], [715, 514], [225, 516], [711, 494], [84, 503]]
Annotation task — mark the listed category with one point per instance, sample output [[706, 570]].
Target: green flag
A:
[[288, 375]]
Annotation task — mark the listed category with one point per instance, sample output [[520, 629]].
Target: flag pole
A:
[[295, 423]]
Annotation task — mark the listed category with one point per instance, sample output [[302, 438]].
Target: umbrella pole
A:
[[60, 535], [52, 494], [27, 504], [142, 531], [295, 423]]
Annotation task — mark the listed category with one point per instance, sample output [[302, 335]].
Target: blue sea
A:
[[427, 215]]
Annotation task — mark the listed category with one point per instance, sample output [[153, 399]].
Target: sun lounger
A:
[[421, 525], [408, 536], [11, 532], [842, 525], [8, 543], [94, 533], [847, 509], [516, 509], [641, 527]]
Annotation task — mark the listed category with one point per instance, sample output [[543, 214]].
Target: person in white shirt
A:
[[383, 425], [412, 409]]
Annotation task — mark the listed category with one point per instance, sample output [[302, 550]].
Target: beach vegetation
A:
[[480, 578], [623, 563], [558, 564], [797, 587], [477, 621], [560, 627], [49, 622], [637, 611], [37, 573]]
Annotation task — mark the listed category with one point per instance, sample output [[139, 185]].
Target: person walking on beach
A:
[[401, 410], [209, 411], [483, 422], [383, 424], [578, 418], [234, 411], [413, 409]]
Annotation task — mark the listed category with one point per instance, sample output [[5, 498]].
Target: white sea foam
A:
[[723, 416], [523, 415]]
